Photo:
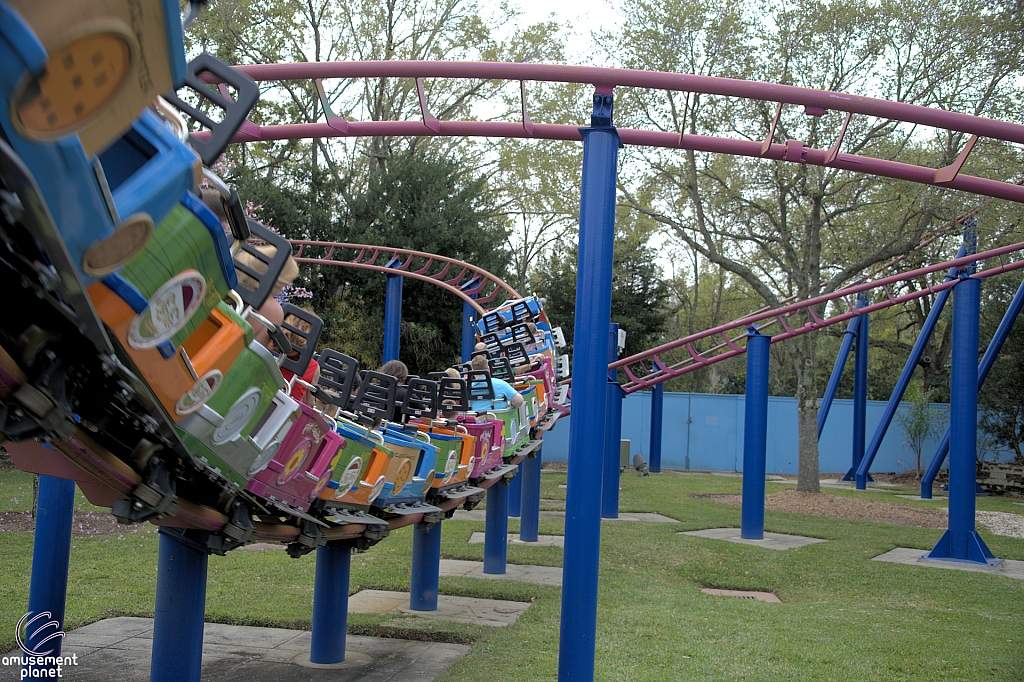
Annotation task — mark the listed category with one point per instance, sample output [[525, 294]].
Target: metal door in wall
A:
[[713, 432]]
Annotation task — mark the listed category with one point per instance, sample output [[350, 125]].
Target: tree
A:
[[1002, 398], [638, 291], [424, 204], [918, 421], [789, 229]]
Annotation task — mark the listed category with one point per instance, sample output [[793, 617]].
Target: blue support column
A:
[[330, 604], [426, 567], [908, 372], [468, 326], [837, 373], [860, 400], [392, 317], [180, 609], [578, 626], [657, 409], [755, 435], [530, 518], [612, 433], [515, 494], [961, 541], [991, 353], [496, 529], [51, 554]]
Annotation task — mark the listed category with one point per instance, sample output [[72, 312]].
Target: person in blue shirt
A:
[[504, 394]]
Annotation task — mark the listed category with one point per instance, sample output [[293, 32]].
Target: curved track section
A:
[[472, 284], [814, 103], [719, 343]]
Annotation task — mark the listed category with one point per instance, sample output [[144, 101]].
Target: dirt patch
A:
[[823, 504], [85, 524]]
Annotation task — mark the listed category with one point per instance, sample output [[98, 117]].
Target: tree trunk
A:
[[35, 494], [805, 366]]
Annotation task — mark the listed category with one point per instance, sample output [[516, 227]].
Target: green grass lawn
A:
[[843, 617]]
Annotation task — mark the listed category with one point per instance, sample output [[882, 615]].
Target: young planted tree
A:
[[920, 423]]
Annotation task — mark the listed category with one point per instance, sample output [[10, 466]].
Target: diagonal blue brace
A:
[[837, 373], [991, 353], [860, 389], [861, 475]]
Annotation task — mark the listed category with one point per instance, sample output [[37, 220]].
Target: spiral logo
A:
[[26, 622]]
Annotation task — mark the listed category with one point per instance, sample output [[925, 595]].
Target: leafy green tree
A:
[[639, 292], [799, 230], [918, 421]]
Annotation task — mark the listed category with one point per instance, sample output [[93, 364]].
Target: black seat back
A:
[[338, 374], [420, 399], [376, 397], [501, 369], [268, 279], [453, 395], [310, 338], [480, 387]]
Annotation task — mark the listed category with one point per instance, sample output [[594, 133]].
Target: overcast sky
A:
[[584, 17]]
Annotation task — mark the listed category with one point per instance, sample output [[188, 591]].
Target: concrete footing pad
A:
[[481, 515], [513, 539], [538, 575], [770, 541], [493, 612], [121, 649], [924, 499], [912, 557]]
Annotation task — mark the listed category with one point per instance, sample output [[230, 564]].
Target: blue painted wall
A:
[[705, 432]]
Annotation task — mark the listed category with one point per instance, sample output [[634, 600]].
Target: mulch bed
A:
[[86, 524], [823, 504]]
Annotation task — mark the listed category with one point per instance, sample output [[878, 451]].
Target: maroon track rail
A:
[[682, 356], [814, 103], [454, 276]]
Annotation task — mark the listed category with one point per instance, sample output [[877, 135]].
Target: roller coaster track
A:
[[814, 103], [682, 356], [472, 284]]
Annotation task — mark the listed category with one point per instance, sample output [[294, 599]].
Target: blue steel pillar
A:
[[330, 604], [908, 372], [860, 401], [991, 353], [496, 529], [180, 608], [755, 435], [515, 494], [657, 409], [426, 566], [837, 372], [578, 627], [530, 517], [51, 554], [392, 317], [468, 328], [612, 433], [961, 541]]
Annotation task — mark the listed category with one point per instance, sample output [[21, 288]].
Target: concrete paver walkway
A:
[[121, 648], [912, 557], [494, 612], [538, 575], [771, 540]]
